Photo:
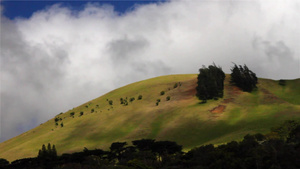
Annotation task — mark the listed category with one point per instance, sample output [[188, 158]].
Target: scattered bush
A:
[[92, 111], [168, 98], [121, 100], [140, 97], [72, 113], [61, 124], [56, 119], [110, 102], [158, 100], [81, 113], [157, 103], [87, 106], [175, 85], [56, 124], [162, 92], [132, 99]]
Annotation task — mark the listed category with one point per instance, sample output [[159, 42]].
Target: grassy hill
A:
[[181, 119]]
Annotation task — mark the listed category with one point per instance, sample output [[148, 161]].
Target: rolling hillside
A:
[[181, 119]]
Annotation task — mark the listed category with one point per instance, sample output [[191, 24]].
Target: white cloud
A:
[[58, 58]]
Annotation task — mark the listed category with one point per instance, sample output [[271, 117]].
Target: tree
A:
[[3, 162], [117, 149], [144, 144], [243, 78], [210, 83]]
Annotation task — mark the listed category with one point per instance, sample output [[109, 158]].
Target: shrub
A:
[[72, 113], [56, 124], [121, 100], [110, 102], [81, 113], [158, 100], [92, 111], [162, 92], [87, 106], [168, 98], [56, 119], [140, 97], [62, 124], [157, 103], [175, 85], [132, 99]]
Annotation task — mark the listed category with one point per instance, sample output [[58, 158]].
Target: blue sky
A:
[[23, 8]]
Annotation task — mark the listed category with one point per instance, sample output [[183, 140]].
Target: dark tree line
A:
[[210, 83], [279, 149], [243, 78]]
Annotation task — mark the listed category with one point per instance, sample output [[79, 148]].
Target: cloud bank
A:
[[59, 58]]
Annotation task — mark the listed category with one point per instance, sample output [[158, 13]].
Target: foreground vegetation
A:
[[278, 149]]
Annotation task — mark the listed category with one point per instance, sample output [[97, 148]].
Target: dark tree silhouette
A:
[[243, 78], [210, 83]]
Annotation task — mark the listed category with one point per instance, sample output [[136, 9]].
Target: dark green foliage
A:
[[285, 129], [56, 119], [162, 92], [144, 144], [56, 124], [121, 101], [92, 110], [110, 102], [62, 124], [72, 114], [3, 162], [175, 85], [140, 97], [243, 78], [158, 100], [282, 82], [132, 99], [157, 103], [210, 83], [87, 106], [168, 98], [47, 154], [81, 113]]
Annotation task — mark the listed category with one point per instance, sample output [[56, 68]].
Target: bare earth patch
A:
[[218, 109]]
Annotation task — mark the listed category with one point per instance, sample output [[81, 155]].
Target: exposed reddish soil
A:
[[218, 109], [229, 100], [233, 91], [189, 89]]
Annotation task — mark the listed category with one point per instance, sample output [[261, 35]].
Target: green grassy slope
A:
[[181, 119]]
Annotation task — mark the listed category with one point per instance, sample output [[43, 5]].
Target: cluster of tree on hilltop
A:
[[277, 150], [211, 81]]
